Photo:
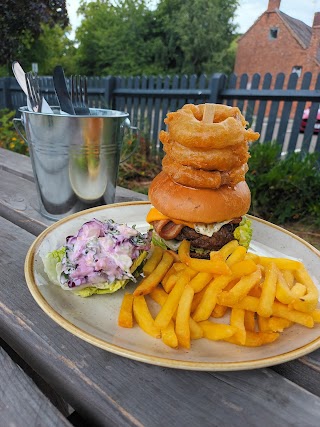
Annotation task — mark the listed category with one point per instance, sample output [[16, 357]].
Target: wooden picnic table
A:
[[50, 377]]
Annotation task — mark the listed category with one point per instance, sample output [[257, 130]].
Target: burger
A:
[[201, 194], [208, 218]]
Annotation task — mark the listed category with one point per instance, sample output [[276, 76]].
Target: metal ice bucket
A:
[[75, 159]]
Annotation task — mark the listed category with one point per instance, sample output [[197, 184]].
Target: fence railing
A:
[[273, 106]]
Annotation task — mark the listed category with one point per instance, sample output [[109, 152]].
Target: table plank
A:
[[22, 403], [107, 389]]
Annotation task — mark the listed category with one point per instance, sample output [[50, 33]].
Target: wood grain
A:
[[22, 403], [110, 390]]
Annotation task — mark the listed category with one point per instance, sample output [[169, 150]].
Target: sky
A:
[[247, 13]]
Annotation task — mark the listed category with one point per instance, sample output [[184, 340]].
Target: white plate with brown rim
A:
[[94, 319]]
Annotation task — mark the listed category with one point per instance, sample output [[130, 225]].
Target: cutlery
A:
[[34, 93], [21, 79], [61, 89], [79, 95]]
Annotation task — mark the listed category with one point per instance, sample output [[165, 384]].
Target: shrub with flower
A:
[[9, 138]]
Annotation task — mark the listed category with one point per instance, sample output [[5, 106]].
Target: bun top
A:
[[198, 205]]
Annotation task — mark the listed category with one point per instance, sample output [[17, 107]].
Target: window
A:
[[297, 69], [273, 33]]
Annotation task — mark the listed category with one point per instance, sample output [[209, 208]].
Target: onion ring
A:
[[198, 178], [221, 159], [189, 131]]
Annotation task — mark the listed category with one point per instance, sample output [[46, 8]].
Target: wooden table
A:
[[98, 388]]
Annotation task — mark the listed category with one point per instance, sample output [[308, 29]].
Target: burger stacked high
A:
[[201, 194]]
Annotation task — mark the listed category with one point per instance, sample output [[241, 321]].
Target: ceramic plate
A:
[[94, 319]]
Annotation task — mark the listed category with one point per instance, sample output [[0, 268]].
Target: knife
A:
[[21, 79], [61, 89]]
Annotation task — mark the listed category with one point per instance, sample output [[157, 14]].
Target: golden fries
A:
[[125, 318], [154, 278], [263, 295]]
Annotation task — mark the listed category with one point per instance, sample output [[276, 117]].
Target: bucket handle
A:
[[17, 123], [134, 129]]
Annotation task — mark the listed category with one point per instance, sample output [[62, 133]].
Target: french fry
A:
[[159, 295], [154, 278], [288, 277], [283, 291], [249, 320], [209, 299], [169, 284], [254, 257], [277, 324], [196, 299], [281, 310], [263, 323], [316, 316], [243, 268], [282, 263], [125, 318], [309, 301], [182, 327], [200, 281], [216, 331], [216, 265], [298, 290], [169, 336], [256, 339], [143, 317], [237, 255], [268, 293], [219, 311], [228, 248], [196, 331], [178, 266], [153, 261], [168, 309], [240, 289], [237, 320]]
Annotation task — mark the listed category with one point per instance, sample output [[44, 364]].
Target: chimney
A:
[[315, 37], [273, 4]]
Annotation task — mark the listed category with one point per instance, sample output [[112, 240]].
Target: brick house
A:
[[276, 42]]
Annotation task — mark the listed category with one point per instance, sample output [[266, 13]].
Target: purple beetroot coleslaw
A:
[[101, 257]]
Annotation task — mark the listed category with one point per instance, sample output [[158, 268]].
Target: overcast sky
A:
[[247, 13]]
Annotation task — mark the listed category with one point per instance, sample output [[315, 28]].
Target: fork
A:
[[79, 95], [34, 92]]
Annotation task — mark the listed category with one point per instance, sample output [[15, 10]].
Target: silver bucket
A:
[[75, 159]]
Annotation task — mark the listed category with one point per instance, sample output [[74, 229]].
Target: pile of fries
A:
[[262, 295]]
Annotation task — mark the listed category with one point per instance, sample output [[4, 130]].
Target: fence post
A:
[[216, 86], [109, 86], [7, 100]]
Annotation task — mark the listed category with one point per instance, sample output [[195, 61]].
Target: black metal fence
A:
[[273, 106]]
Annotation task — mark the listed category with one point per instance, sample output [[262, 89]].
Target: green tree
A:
[[198, 34], [114, 38], [128, 37], [51, 48], [22, 20]]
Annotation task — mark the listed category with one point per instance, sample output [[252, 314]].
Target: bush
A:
[[9, 138], [283, 189]]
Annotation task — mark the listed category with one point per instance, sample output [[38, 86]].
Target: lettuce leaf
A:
[[52, 264], [243, 233]]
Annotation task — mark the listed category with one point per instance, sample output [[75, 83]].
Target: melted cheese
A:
[[204, 229]]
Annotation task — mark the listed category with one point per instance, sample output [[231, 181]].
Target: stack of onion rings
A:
[[206, 155]]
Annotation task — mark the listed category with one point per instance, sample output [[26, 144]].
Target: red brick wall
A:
[[257, 53]]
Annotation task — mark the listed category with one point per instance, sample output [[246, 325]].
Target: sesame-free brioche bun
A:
[[198, 205]]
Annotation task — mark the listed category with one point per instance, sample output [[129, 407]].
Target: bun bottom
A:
[[198, 205]]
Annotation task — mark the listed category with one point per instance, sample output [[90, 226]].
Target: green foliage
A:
[[21, 20], [127, 37], [283, 189], [51, 48], [9, 138]]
